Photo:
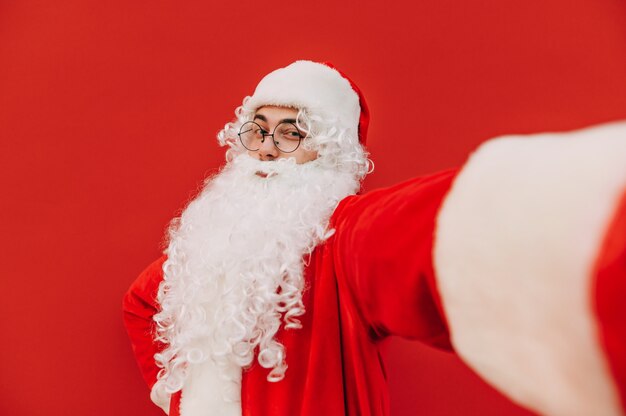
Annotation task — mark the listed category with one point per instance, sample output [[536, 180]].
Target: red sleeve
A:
[[139, 306], [383, 249]]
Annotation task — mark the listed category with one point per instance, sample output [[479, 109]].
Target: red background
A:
[[108, 112]]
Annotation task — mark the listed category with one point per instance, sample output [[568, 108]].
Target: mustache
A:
[[263, 169]]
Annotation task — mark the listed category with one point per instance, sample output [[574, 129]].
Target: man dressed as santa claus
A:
[[279, 282]]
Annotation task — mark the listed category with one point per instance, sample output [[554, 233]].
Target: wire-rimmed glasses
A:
[[286, 136]]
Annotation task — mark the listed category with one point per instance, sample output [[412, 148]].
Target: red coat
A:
[[373, 278], [530, 260]]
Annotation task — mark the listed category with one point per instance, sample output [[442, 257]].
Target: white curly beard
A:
[[234, 275]]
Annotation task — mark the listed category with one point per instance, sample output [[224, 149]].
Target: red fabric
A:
[[175, 404], [372, 279], [139, 306], [610, 287]]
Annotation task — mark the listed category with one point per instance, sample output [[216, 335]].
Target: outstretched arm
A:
[[384, 243], [518, 238], [528, 244]]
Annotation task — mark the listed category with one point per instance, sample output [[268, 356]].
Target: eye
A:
[[289, 133]]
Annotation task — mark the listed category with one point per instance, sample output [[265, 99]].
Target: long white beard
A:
[[234, 272]]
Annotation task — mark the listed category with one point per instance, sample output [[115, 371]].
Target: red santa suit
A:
[[372, 279], [490, 260]]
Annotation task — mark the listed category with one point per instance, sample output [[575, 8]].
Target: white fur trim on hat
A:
[[312, 86], [516, 241]]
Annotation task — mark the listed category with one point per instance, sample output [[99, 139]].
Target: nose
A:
[[268, 151]]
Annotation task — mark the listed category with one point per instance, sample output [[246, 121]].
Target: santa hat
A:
[[319, 88]]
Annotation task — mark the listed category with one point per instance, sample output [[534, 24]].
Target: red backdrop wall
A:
[[108, 112]]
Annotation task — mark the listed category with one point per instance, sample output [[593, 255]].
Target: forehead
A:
[[273, 113]]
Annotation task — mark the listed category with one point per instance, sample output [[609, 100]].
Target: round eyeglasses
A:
[[286, 136]]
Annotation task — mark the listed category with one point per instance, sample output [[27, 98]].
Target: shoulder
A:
[[401, 193]]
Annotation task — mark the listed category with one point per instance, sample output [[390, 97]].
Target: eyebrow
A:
[[285, 120]]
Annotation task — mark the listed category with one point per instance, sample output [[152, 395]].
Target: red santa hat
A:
[[319, 88]]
